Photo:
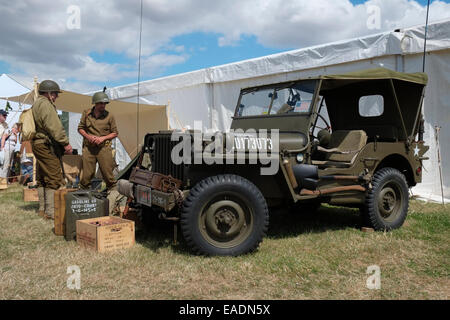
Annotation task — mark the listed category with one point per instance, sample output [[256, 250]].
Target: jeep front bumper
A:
[[147, 196]]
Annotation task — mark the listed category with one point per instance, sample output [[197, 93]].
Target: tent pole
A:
[[139, 80], [168, 114], [36, 93], [436, 135]]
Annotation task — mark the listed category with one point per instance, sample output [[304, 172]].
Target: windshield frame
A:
[[278, 87]]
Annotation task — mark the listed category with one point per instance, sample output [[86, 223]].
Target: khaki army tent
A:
[[129, 117]]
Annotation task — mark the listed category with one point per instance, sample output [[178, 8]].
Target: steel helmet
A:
[[49, 86], [100, 97]]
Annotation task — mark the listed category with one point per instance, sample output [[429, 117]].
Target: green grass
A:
[[304, 256]]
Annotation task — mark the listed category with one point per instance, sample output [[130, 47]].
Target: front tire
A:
[[387, 202], [224, 215]]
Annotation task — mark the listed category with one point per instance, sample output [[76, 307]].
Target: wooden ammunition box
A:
[[105, 233], [30, 195], [3, 183], [60, 211]]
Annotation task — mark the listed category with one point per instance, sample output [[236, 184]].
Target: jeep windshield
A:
[[289, 98]]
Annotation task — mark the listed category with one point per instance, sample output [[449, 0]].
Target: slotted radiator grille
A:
[[161, 159]]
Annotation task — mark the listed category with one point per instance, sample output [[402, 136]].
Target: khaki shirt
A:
[[99, 127], [48, 125]]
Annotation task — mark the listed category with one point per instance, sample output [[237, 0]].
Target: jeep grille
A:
[[161, 160]]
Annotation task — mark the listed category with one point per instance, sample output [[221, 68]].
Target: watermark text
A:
[[74, 280], [74, 20]]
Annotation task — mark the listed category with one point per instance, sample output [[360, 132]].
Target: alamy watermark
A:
[[74, 280], [74, 20], [374, 281], [374, 17], [233, 147]]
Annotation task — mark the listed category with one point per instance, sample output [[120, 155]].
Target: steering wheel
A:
[[313, 128]]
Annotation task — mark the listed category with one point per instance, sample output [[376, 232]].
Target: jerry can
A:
[[84, 204]]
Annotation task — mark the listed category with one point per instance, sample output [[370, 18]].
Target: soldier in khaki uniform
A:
[[98, 128], [49, 144]]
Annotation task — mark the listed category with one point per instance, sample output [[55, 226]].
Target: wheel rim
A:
[[390, 201], [226, 221]]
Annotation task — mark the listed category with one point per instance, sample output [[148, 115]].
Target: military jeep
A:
[[351, 140]]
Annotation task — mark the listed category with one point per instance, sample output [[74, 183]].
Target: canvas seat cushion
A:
[[349, 142], [343, 148]]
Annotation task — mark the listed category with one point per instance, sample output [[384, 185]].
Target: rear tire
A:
[[387, 202], [224, 215]]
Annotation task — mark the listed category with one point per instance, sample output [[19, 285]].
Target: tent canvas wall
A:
[[210, 95]]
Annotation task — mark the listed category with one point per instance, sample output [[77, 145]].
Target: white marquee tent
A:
[[210, 95], [10, 87]]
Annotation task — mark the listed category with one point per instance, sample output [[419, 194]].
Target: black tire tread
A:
[[370, 216], [199, 189]]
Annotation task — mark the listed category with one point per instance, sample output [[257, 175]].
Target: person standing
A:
[[3, 129], [49, 144], [8, 144], [3, 124], [98, 128], [26, 163]]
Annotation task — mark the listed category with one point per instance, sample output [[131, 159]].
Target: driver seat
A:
[[342, 149]]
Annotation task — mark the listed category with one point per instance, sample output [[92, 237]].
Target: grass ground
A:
[[305, 256]]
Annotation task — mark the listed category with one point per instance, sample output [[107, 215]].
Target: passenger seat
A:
[[342, 149]]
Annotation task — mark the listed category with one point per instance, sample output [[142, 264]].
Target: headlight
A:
[[300, 157]]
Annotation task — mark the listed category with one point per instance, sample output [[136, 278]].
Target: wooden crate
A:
[[60, 211], [3, 183], [30, 195], [105, 233]]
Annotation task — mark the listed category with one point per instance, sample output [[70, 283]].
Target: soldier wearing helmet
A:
[[98, 128], [49, 144]]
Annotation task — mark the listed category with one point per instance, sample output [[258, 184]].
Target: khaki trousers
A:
[[49, 172], [102, 155]]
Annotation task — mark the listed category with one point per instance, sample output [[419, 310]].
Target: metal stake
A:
[[436, 135]]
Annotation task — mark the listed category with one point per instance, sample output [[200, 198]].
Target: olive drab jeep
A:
[[351, 140]]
